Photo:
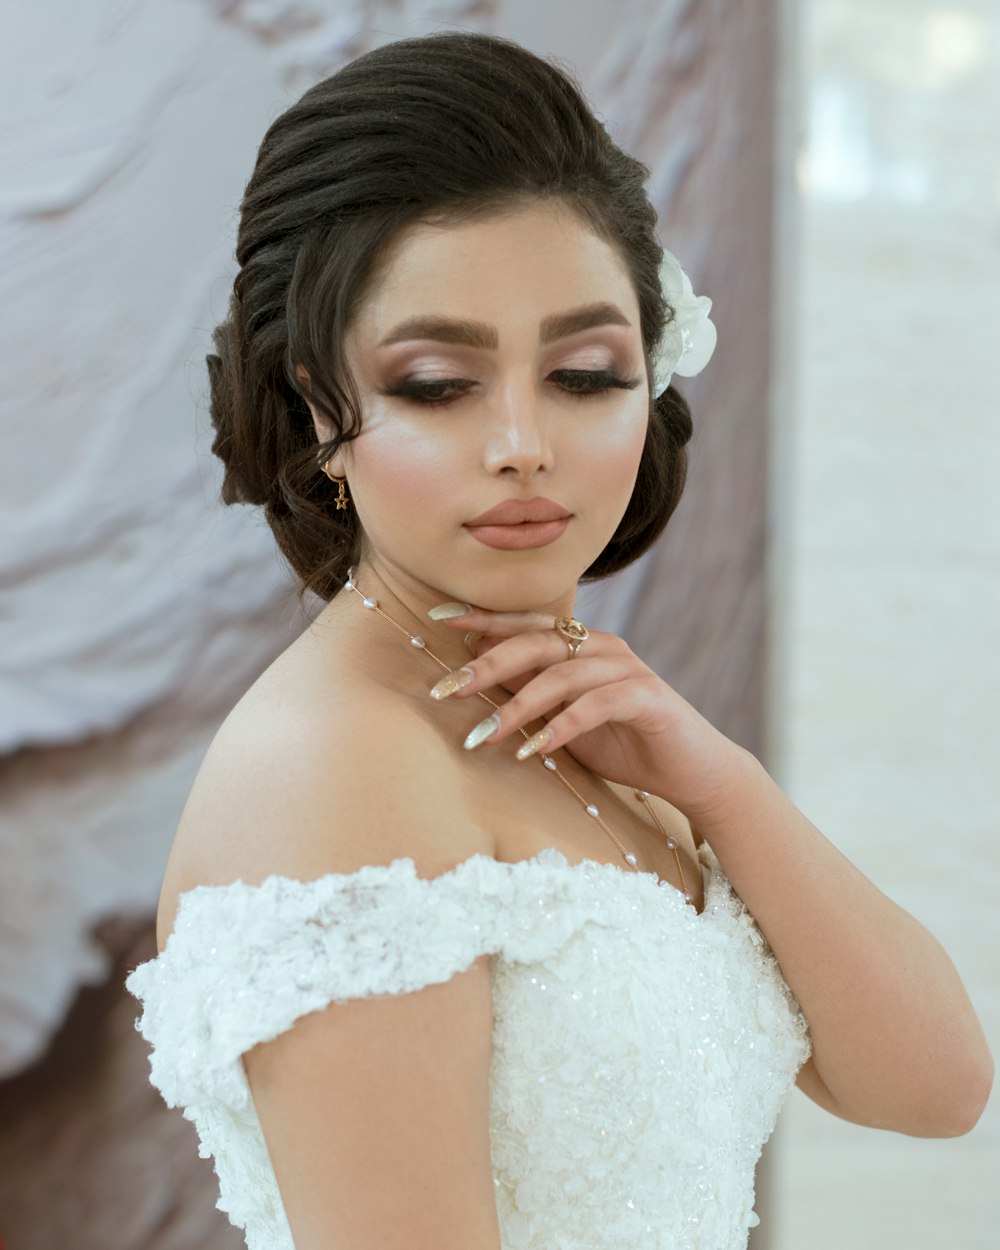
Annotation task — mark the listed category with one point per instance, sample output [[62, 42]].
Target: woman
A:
[[415, 988]]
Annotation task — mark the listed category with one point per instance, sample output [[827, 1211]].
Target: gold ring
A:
[[573, 631]]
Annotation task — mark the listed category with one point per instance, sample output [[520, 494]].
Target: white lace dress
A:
[[641, 1051]]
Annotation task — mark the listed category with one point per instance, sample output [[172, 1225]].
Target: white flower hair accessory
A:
[[689, 340]]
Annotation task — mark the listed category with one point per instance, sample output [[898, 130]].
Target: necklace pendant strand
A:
[[547, 761]]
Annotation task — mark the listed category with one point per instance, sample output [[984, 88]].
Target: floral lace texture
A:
[[641, 1051]]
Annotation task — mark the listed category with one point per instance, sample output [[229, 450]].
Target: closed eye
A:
[[594, 381], [579, 382], [440, 391]]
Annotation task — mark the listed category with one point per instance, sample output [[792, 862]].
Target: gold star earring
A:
[[342, 499]]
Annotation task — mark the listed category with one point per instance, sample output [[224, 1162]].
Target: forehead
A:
[[527, 262]]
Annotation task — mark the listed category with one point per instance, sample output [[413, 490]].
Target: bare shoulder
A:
[[300, 786]]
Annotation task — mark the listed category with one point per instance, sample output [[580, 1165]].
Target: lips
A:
[[516, 512], [523, 537]]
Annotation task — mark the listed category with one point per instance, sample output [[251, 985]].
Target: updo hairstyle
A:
[[443, 127]]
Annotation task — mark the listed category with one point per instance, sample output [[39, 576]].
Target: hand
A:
[[610, 711]]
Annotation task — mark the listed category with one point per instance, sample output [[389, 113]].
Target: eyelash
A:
[[417, 391]]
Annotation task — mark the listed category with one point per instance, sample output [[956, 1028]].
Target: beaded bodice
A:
[[641, 1050]]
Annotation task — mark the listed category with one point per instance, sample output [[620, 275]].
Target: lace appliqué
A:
[[641, 1051]]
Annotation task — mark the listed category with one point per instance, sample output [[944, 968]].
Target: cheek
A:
[[403, 470], [615, 448], [609, 466]]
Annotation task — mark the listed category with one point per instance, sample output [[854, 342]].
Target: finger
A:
[[505, 658], [512, 658], [552, 688], [500, 624], [595, 707]]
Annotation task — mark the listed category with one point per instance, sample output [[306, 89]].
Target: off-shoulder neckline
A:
[[548, 857], [711, 874]]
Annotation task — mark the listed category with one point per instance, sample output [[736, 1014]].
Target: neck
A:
[[406, 600]]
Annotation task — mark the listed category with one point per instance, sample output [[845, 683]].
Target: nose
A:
[[520, 430]]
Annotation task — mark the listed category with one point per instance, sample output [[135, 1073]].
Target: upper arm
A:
[[376, 1117], [374, 1110], [812, 1085], [815, 1088]]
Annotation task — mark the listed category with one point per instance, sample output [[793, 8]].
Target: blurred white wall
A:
[[886, 668]]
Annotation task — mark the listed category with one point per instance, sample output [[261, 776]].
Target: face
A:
[[531, 383]]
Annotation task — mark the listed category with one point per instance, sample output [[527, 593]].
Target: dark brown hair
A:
[[446, 126]]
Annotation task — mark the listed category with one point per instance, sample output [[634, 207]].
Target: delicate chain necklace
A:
[[547, 760]]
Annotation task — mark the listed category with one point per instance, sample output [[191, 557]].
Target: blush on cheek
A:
[[407, 478], [613, 468], [620, 451]]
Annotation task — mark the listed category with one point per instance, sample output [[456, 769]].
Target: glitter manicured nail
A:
[[534, 743], [452, 682]]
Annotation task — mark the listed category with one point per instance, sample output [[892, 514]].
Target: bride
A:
[[474, 933]]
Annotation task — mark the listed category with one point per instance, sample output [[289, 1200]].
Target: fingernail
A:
[[482, 731], [445, 611], [534, 743], [452, 682]]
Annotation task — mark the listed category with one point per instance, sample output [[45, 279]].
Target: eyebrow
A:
[[478, 334]]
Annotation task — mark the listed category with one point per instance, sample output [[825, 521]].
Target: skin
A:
[[896, 1042]]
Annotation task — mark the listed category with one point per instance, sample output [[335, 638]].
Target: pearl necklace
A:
[[547, 760]]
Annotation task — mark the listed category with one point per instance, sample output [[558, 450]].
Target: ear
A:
[[323, 428]]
